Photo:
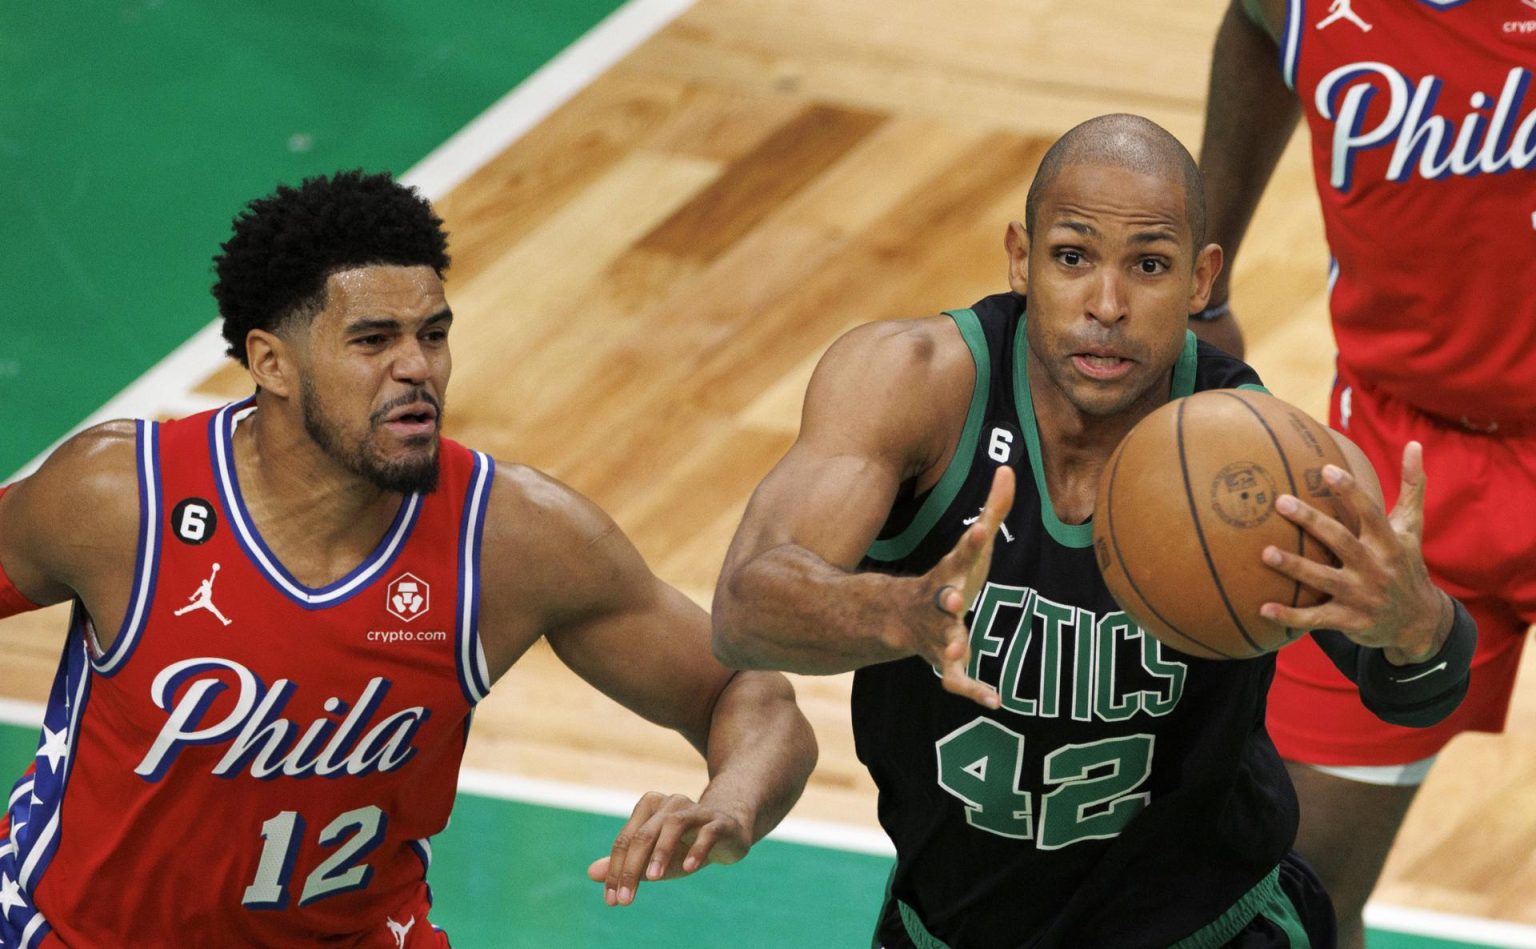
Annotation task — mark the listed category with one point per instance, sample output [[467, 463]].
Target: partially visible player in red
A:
[[286, 610], [1423, 131]]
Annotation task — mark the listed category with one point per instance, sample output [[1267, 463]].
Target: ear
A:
[[1207, 265], [273, 363], [1016, 240]]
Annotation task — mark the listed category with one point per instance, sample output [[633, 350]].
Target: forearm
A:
[[760, 751], [1249, 116], [789, 609]]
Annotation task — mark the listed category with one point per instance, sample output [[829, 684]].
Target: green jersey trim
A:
[[943, 493], [1184, 369], [1265, 899], [1075, 535], [916, 931]]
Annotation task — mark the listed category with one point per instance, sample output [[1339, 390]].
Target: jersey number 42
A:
[[981, 763]]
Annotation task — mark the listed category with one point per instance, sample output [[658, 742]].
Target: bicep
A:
[[641, 642], [832, 505], [867, 427]]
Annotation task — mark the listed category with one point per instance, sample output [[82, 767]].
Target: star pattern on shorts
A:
[[55, 746], [10, 895]]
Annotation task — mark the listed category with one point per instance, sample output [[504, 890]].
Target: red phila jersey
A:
[[1423, 127], [253, 761]]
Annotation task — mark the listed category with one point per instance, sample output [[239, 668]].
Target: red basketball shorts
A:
[[1480, 546]]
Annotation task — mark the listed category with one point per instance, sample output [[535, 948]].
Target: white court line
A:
[[1470, 930], [619, 804], [17, 712], [166, 389]]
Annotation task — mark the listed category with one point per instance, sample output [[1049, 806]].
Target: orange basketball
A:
[[1186, 506]]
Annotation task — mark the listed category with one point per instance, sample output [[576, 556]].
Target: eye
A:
[[1151, 266], [1070, 257], [435, 336], [374, 339]]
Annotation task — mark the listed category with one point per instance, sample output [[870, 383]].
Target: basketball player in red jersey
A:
[[1423, 132], [286, 610]]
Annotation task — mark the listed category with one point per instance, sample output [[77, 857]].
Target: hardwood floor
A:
[[645, 281]]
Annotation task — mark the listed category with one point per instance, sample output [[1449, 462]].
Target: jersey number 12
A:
[[339, 873]]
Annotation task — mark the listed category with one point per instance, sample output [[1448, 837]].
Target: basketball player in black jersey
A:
[[1050, 775]]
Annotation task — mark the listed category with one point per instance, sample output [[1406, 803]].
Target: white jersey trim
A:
[[256, 549], [147, 564]]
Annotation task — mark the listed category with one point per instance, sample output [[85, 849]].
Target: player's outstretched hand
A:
[[667, 836], [1380, 594], [936, 617]]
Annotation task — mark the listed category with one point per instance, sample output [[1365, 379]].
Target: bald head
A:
[[1130, 142]]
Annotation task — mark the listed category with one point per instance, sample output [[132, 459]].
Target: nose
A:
[[410, 364], [1106, 301]]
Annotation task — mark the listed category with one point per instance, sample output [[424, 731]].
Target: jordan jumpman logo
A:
[[202, 599]]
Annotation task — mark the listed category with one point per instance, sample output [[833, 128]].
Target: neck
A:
[[1074, 445], [320, 519]]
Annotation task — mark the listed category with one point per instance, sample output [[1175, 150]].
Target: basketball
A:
[[1186, 506]]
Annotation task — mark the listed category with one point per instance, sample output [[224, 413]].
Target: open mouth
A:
[[413, 420], [1102, 365]]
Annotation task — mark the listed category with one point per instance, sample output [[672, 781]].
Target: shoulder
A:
[[79, 511], [548, 549], [895, 391], [531, 502], [923, 346], [97, 467], [901, 373]]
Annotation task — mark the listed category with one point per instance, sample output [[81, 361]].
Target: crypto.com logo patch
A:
[[408, 597]]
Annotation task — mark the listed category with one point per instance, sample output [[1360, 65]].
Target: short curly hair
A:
[[274, 266]]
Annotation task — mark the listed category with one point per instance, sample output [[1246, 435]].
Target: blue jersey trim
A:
[[474, 677], [220, 433], [147, 557], [1290, 44]]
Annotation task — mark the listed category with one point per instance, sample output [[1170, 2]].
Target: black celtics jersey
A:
[[1126, 794]]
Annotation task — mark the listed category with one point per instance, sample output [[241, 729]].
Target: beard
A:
[[412, 474]]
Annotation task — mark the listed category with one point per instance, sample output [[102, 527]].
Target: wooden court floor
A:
[[645, 280]]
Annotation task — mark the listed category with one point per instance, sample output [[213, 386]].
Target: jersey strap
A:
[[950, 483], [474, 676]]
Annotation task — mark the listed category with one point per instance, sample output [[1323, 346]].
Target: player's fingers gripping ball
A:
[[1186, 507]]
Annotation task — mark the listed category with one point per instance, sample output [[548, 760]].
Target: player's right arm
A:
[[65, 528], [1249, 115], [884, 409]]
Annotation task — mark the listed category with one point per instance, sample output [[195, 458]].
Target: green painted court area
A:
[[132, 130], [510, 874]]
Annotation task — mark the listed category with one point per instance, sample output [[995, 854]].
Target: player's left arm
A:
[[1405, 642], [647, 646]]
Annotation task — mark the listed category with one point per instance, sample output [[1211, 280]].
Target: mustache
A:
[[1106, 339], [410, 398]]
